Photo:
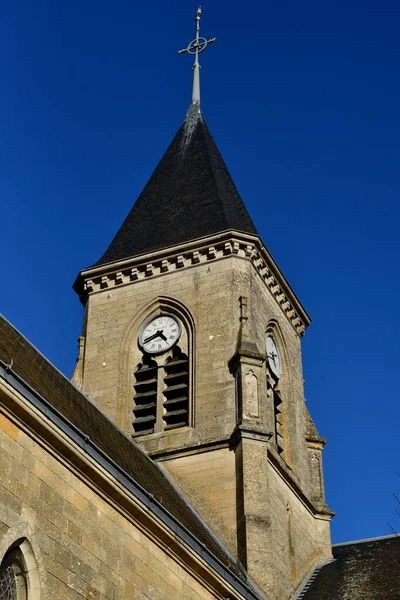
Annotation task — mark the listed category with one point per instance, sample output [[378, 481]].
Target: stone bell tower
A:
[[191, 345]]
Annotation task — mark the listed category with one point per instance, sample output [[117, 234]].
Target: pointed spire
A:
[[190, 195], [195, 47]]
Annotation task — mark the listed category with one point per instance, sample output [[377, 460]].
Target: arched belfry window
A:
[[162, 385], [274, 374], [13, 577]]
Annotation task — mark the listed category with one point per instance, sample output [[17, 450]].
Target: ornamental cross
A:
[[195, 47]]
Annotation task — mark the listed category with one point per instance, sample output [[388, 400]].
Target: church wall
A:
[[209, 481], [252, 510], [84, 547], [284, 540], [210, 292], [304, 540]]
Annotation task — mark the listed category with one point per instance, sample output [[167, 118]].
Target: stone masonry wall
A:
[[114, 318], [209, 481], [275, 519], [284, 540], [264, 311], [306, 539], [84, 548], [210, 293]]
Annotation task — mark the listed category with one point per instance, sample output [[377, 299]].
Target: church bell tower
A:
[[191, 345]]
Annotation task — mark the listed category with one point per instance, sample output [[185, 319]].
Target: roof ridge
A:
[[364, 541], [210, 142], [55, 368]]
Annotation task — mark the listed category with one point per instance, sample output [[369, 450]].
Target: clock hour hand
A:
[[161, 334], [154, 336]]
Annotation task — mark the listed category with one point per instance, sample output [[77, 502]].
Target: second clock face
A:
[[274, 359], [160, 334]]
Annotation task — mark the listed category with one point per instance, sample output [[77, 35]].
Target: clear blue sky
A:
[[303, 101]]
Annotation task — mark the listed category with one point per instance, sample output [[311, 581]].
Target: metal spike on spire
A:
[[195, 47]]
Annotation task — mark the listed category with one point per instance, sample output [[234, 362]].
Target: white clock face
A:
[[160, 334], [274, 359]]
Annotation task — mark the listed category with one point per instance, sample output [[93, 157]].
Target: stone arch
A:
[[282, 387], [129, 351], [20, 537], [273, 329]]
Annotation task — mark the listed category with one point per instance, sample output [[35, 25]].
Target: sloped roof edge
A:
[[366, 540]]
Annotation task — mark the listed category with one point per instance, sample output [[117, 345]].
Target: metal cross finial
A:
[[195, 47]]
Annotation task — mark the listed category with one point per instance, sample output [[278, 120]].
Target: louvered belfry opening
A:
[[278, 416], [278, 407], [176, 391], [145, 410]]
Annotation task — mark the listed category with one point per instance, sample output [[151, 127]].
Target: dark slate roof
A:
[[50, 384], [365, 570], [190, 195]]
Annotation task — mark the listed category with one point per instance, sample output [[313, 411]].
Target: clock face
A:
[[274, 359], [160, 334]]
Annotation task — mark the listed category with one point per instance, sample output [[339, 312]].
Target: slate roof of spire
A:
[[190, 195]]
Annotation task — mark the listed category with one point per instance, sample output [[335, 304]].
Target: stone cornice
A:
[[204, 250], [315, 442], [189, 449]]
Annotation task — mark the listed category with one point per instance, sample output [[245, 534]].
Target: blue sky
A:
[[302, 100]]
